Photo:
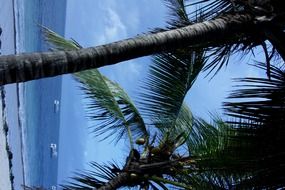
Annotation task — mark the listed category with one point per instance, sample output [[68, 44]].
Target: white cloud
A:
[[85, 153], [114, 28], [135, 68]]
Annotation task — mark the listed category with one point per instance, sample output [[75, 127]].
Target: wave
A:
[[22, 126], [19, 13]]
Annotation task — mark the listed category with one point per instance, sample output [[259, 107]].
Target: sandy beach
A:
[[5, 182], [5, 10], [10, 113]]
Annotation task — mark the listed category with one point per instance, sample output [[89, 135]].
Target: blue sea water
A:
[[42, 121]]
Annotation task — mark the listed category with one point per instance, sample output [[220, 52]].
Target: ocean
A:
[[39, 101]]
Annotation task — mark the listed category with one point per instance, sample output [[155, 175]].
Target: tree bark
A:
[[25, 67]]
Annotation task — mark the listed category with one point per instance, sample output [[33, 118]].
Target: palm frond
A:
[[57, 42], [184, 12], [170, 78], [220, 159], [177, 13], [110, 107], [210, 180], [205, 137], [175, 134], [277, 39], [171, 75], [92, 179], [261, 99], [259, 111], [209, 9], [103, 107]]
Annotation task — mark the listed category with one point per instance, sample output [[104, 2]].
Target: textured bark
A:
[[121, 180], [24, 67]]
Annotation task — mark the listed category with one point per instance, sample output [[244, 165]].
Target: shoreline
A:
[[11, 100], [5, 161], [8, 46], [14, 26], [19, 86], [20, 125]]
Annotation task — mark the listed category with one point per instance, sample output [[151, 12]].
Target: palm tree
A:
[[173, 149], [245, 153], [215, 156], [223, 26], [258, 110], [118, 116]]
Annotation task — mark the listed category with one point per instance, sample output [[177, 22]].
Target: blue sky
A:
[[93, 23], [97, 22]]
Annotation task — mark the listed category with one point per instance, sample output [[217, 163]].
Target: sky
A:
[[92, 23]]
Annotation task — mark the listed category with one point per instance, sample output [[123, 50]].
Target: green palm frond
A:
[[171, 75], [92, 179], [170, 78], [223, 148], [177, 12], [57, 42], [184, 12], [205, 137], [259, 111], [220, 160], [175, 134], [210, 180], [261, 99], [129, 110], [209, 9], [110, 105]]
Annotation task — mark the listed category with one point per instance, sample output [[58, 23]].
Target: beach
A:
[[28, 108], [5, 182], [7, 46], [9, 109]]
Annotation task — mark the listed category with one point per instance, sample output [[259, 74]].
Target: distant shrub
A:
[[5, 128], [12, 178], [10, 155]]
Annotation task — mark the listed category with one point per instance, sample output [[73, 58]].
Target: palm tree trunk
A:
[[25, 67], [119, 181]]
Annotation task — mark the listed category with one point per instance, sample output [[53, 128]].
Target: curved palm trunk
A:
[[24, 67]]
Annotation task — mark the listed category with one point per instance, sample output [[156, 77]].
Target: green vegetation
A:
[[177, 149], [171, 148]]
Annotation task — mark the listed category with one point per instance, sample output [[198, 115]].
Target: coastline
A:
[[14, 26], [20, 94], [5, 181], [23, 141], [11, 145]]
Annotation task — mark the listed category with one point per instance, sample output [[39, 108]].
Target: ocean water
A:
[[39, 118]]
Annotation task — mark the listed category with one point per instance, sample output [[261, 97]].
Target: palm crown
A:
[[178, 149]]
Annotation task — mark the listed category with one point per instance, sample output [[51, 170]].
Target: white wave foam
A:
[[19, 13]]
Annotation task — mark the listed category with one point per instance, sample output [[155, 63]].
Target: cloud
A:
[[85, 153], [114, 28]]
